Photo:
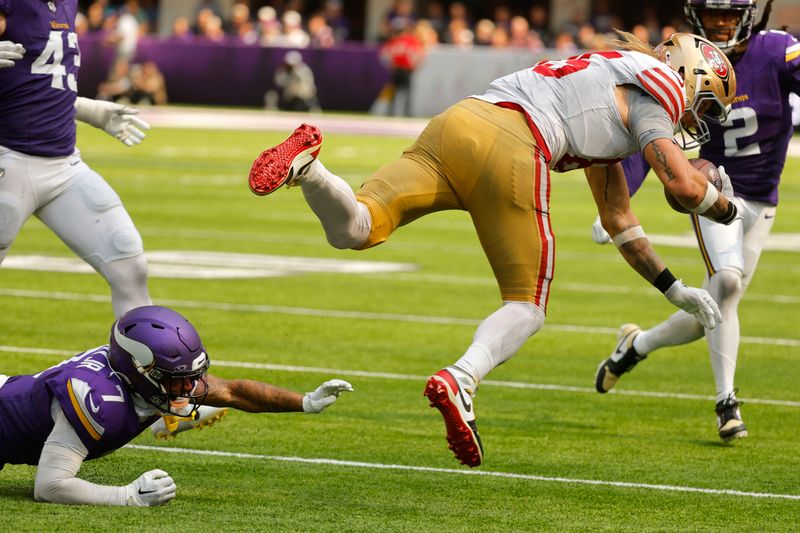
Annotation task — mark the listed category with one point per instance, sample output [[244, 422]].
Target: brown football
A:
[[707, 169]]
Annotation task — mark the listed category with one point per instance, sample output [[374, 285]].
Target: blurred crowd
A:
[[289, 23], [408, 29]]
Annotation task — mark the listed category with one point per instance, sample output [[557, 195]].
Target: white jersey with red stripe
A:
[[571, 103]]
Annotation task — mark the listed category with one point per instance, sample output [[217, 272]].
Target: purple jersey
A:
[[752, 144], [37, 94], [94, 399]]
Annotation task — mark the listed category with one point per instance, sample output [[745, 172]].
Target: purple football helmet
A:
[[159, 354], [746, 9]]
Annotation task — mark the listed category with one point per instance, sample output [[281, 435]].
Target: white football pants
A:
[[731, 254], [83, 210]]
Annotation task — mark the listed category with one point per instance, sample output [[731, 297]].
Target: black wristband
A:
[[664, 280], [729, 215]]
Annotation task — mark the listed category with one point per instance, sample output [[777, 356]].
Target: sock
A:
[[347, 223], [723, 341], [680, 328], [499, 337]]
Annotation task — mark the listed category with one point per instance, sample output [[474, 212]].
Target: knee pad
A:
[[728, 283], [98, 195], [11, 220], [126, 241]]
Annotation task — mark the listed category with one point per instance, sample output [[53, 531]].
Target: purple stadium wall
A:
[[348, 78]]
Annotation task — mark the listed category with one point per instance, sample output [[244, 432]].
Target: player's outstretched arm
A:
[[61, 458], [258, 397], [687, 185], [117, 120], [610, 192]]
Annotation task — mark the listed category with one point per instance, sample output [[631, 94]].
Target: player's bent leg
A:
[[623, 359], [283, 163], [90, 218], [347, 222], [452, 389], [17, 195], [169, 426]]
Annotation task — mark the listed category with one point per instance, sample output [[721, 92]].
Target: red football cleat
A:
[[285, 162], [456, 405]]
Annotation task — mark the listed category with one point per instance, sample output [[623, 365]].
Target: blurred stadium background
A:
[[227, 52]]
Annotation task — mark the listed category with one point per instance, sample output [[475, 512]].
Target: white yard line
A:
[[420, 378], [338, 313], [464, 472]]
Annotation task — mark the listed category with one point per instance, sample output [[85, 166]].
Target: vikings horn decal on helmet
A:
[[709, 80], [738, 33], [159, 354]]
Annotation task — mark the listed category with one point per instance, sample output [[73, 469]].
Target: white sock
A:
[[723, 341], [680, 328], [499, 337], [347, 223]]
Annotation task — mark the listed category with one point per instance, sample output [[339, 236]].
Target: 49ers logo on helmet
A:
[[715, 60]]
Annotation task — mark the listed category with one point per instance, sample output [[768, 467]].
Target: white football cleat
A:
[[169, 426], [455, 403], [622, 359]]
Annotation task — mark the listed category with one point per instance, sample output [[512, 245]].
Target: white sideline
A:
[[421, 379], [485, 473], [338, 313]]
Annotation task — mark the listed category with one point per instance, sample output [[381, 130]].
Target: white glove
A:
[[696, 302], [326, 394], [10, 52], [117, 120], [727, 186], [599, 235], [155, 487]]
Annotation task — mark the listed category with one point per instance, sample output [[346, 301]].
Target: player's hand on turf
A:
[[9, 53], [696, 302], [599, 235], [727, 186], [155, 487], [326, 394]]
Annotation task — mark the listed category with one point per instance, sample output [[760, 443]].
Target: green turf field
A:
[[558, 456]]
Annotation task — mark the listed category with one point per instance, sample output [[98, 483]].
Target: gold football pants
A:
[[483, 159]]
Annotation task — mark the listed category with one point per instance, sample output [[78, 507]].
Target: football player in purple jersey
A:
[[99, 400], [41, 169], [752, 146]]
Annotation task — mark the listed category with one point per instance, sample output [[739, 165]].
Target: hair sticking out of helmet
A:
[[709, 81], [733, 33], [159, 355]]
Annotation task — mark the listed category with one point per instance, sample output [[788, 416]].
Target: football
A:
[[707, 169]]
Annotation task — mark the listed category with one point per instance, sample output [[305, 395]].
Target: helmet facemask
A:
[[705, 106], [738, 33]]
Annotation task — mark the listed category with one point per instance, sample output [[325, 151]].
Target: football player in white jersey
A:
[[491, 155]]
